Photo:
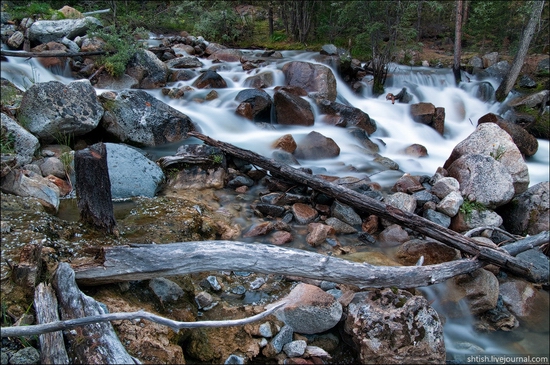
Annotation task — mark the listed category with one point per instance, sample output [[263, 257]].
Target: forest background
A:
[[401, 30]]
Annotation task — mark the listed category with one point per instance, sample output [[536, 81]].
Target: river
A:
[[396, 130]]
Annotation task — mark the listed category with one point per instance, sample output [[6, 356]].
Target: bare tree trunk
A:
[[270, 18], [510, 79], [93, 187], [458, 41]]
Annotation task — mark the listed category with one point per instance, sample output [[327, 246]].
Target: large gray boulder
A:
[[25, 144], [137, 118], [315, 146], [394, 327], [44, 31], [131, 173], [492, 141], [317, 80], [51, 110], [529, 212], [483, 179]]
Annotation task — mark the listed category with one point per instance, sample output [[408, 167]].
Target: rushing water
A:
[[396, 130]]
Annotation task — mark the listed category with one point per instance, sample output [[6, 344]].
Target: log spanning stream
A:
[[396, 130]]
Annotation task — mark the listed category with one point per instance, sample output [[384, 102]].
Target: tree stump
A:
[[93, 188]]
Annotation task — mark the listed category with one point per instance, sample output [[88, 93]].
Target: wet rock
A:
[[339, 226], [285, 143], [525, 142], [350, 116], [386, 163], [280, 238], [210, 80], [131, 173], [275, 346], [303, 213], [315, 146], [422, 197], [394, 327], [393, 235], [213, 282], [370, 225], [184, 62], [291, 109], [148, 70], [259, 229], [106, 81], [255, 105], [226, 55], [71, 109], [310, 310], [480, 289], [407, 184], [483, 179], [527, 303], [136, 117], [261, 80], [345, 213], [166, 290], [240, 180], [434, 252], [318, 233], [317, 80], [204, 301], [234, 359], [416, 150], [270, 210], [528, 213]]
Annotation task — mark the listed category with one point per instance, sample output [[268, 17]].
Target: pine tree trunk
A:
[[458, 41], [93, 188], [510, 79]]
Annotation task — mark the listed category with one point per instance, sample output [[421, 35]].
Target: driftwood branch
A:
[[369, 205], [52, 346], [40, 329], [53, 54], [142, 262], [527, 243], [96, 12]]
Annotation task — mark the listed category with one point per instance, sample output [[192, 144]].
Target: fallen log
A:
[[89, 344], [369, 205], [142, 262], [52, 345], [53, 54]]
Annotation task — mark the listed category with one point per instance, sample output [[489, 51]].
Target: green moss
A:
[[468, 207]]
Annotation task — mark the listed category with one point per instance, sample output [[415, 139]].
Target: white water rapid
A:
[[396, 130]]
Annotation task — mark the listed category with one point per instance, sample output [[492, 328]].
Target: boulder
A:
[[71, 109], [483, 179], [255, 105], [315, 146], [528, 213], [310, 310], [303, 213], [479, 289], [150, 72], [261, 80], [184, 62], [490, 140], [317, 80], [226, 55], [210, 80], [131, 173], [285, 143], [44, 31], [135, 117], [350, 116], [525, 142], [394, 327], [291, 109]]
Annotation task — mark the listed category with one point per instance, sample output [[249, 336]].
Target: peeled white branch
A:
[[175, 325]]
